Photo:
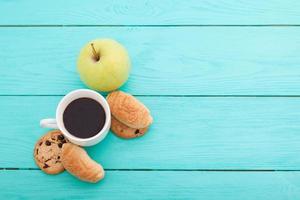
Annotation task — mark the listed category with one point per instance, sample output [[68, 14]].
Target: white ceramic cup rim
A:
[[66, 100]]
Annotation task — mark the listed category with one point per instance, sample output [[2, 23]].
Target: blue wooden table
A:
[[221, 77]]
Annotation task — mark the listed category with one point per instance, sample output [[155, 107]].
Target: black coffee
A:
[[84, 117]]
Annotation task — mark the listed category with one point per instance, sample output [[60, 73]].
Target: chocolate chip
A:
[[64, 141], [47, 160], [60, 137], [41, 143], [37, 151], [48, 143], [137, 131], [58, 157], [60, 145], [45, 166]]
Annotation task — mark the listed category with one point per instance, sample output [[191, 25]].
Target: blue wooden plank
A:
[[112, 12], [187, 133], [166, 61], [153, 185]]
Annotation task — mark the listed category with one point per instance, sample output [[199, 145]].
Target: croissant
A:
[[124, 131], [128, 110], [76, 161]]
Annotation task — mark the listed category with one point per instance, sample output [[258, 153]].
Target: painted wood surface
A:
[[154, 185], [188, 133], [154, 12], [221, 78], [166, 60]]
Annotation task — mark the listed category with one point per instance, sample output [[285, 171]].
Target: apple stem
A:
[[96, 55]]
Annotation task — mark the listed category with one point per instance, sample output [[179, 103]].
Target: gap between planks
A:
[[154, 95], [149, 25], [168, 170]]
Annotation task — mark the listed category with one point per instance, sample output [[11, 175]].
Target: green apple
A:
[[103, 65]]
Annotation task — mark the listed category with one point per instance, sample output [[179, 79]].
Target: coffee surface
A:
[[84, 117]]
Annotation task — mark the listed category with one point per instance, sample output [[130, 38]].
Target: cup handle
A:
[[48, 123]]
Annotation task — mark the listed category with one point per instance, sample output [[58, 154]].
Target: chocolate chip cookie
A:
[[124, 131], [47, 152]]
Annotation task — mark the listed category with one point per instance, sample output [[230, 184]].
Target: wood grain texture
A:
[[187, 133], [173, 52], [153, 185], [145, 12], [166, 61]]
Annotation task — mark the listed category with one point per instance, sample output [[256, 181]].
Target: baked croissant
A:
[[128, 110], [76, 161], [124, 131]]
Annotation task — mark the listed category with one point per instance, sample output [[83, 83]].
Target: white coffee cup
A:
[[59, 124]]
